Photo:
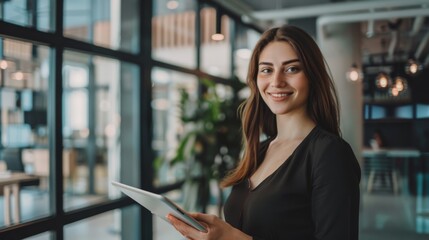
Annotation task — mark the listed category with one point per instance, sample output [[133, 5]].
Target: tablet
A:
[[159, 205]]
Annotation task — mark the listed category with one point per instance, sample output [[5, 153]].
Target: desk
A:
[[10, 183], [393, 154]]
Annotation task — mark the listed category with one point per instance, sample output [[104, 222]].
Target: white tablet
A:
[[159, 205]]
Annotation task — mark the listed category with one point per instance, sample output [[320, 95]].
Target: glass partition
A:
[[99, 127], [245, 40], [167, 124], [37, 14], [111, 24], [215, 54], [173, 32], [113, 225], [24, 75]]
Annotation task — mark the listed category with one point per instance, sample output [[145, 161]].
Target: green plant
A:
[[211, 144]]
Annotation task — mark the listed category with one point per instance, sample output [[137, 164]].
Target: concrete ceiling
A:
[[397, 28]]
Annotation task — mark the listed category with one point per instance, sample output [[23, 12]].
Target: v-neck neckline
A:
[[286, 162]]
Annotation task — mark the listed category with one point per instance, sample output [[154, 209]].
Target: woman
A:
[[302, 181]]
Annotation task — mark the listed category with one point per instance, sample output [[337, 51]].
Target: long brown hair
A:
[[258, 120]]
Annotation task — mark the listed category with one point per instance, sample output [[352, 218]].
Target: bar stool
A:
[[382, 169]]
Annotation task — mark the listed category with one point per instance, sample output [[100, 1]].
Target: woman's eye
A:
[[265, 70], [292, 69]]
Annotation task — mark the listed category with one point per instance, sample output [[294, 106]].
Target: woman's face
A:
[[281, 80]]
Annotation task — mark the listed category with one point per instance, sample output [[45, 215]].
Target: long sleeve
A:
[[335, 192]]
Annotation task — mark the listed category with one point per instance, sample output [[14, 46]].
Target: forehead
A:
[[278, 50]]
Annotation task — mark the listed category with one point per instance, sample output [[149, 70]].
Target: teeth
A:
[[280, 94]]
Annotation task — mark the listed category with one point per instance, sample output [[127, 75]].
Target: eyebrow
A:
[[283, 63]]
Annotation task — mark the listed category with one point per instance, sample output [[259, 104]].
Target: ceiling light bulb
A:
[[172, 4], [354, 74], [19, 76], [3, 64], [382, 80], [394, 91], [218, 37], [413, 67]]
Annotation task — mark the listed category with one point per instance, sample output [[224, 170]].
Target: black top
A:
[[314, 194]]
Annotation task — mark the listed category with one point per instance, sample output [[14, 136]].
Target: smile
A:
[[278, 95]]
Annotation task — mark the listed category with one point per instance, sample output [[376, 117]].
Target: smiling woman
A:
[[302, 181]]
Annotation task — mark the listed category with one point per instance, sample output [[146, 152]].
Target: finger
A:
[[180, 226]]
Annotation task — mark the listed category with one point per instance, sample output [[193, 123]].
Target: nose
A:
[[278, 80]]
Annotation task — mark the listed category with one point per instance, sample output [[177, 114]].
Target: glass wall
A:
[[36, 14], [168, 129], [24, 74], [97, 121], [111, 225], [81, 98], [111, 24], [173, 32], [215, 54]]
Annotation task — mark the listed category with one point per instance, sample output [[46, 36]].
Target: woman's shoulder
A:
[[324, 138], [324, 142]]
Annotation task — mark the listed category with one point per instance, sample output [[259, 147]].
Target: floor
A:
[[384, 215]]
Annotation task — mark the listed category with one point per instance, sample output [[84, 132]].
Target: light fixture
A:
[[172, 4], [20, 76], [382, 81], [354, 74], [218, 36], [412, 67], [3, 64], [400, 84], [6, 64], [399, 87]]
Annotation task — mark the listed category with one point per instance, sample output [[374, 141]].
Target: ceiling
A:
[[395, 29]]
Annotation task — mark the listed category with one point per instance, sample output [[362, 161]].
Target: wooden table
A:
[[10, 183]]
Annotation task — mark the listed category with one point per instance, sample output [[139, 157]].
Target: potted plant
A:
[[211, 143]]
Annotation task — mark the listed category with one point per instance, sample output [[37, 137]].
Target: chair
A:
[[13, 160], [382, 170]]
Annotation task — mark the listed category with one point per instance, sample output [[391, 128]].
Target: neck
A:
[[294, 126]]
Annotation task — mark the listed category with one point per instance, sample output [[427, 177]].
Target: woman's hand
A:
[[217, 229]]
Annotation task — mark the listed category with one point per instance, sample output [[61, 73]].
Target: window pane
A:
[[113, 225], [422, 111], [173, 32], [24, 153], [245, 41], [168, 127], [215, 55], [404, 112], [42, 236], [37, 14], [112, 24], [99, 105]]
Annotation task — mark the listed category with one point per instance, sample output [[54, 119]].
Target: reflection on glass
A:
[[173, 32], [167, 129], [215, 55], [36, 14], [97, 127], [422, 111], [112, 24], [244, 43], [24, 153], [42, 236], [113, 225]]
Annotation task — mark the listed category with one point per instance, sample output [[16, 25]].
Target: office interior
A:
[[139, 92]]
